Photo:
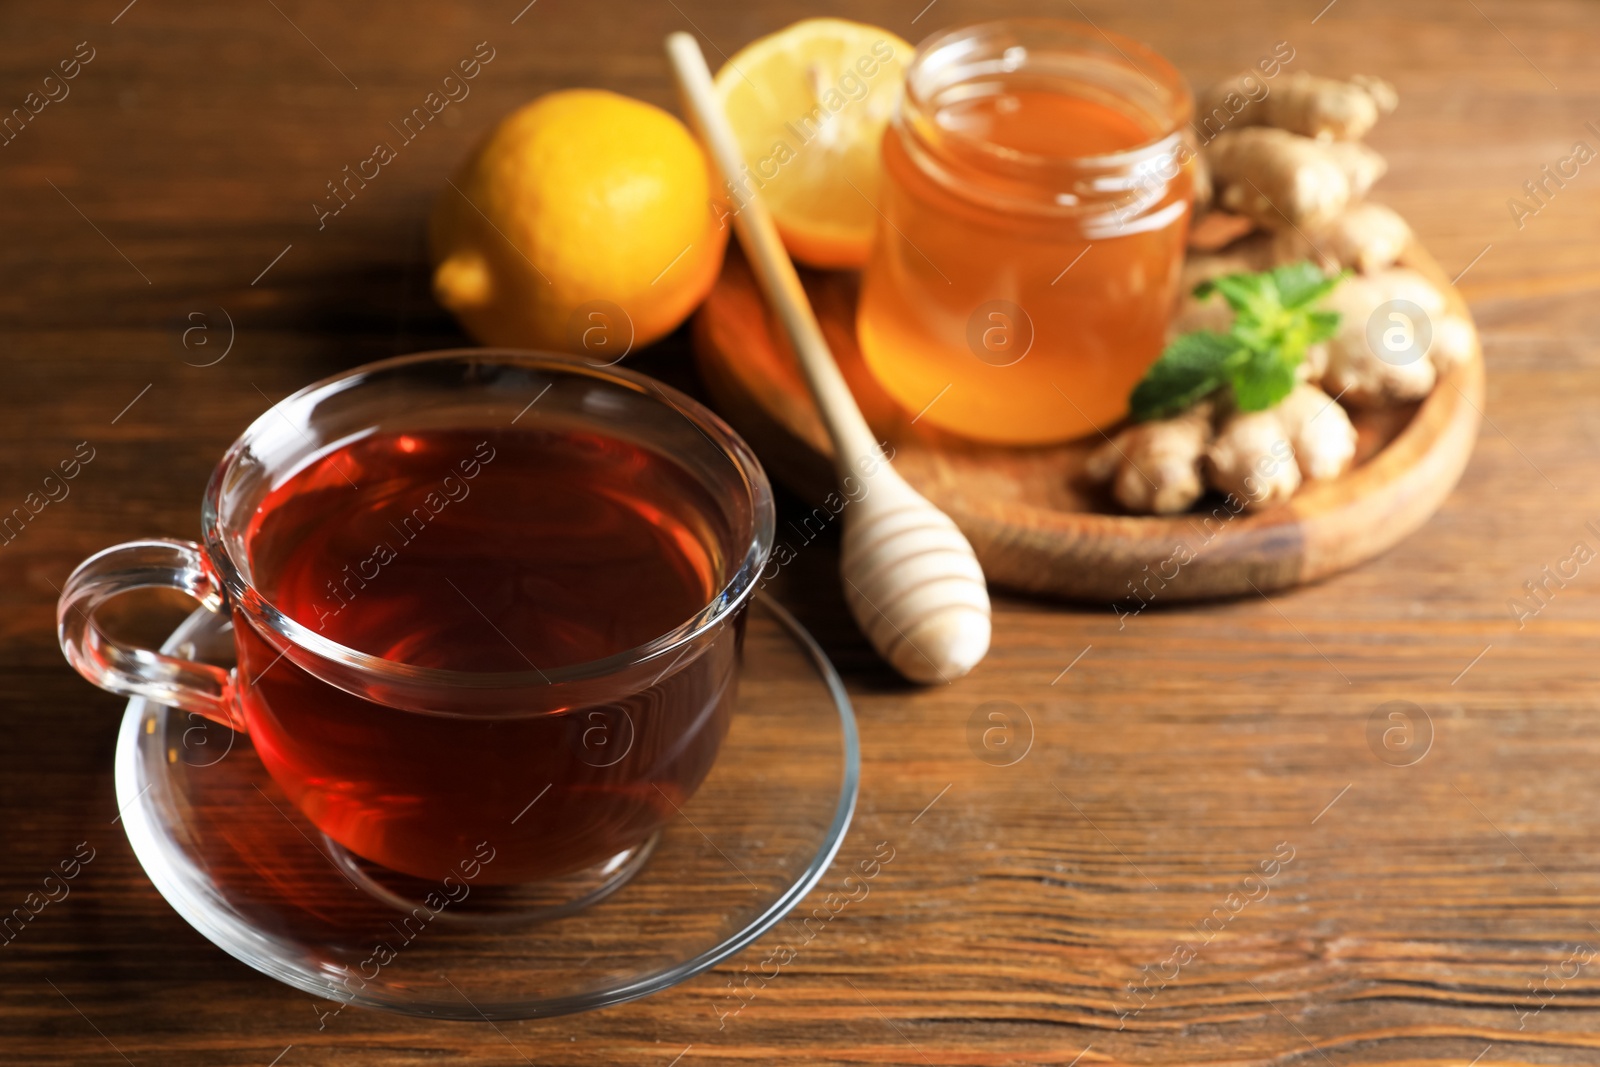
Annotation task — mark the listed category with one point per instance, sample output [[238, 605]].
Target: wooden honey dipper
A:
[[911, 579]]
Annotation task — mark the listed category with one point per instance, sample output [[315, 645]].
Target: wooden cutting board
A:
[[1035, 523]]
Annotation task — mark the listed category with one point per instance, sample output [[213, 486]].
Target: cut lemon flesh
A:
[[809, 105]]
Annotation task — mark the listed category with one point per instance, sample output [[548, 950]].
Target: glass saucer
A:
[[243, 867]]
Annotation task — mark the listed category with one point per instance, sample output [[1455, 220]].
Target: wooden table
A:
[[1430, 913]]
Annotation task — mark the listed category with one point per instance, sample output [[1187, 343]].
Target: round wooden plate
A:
[[1035, 523]]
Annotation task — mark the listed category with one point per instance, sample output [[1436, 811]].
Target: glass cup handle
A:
[[141, 672]]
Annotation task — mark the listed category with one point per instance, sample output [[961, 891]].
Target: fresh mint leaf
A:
[[1275, 321], [1192, 367], [1323, 325], [1262, 380], [1246, 294], [1300, 285]]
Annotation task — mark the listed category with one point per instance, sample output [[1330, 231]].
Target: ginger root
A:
[[1252, 459], [1163, 466], [1262, 457], [1154, 467], [1288, 157], [1367, 238], [1398, 369], [1287, 160], [1280, 179], [1328, 109], [1362, 166], [1277, 178], [1323, 108]]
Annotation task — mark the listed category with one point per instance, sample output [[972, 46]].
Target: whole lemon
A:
[[586, 222]]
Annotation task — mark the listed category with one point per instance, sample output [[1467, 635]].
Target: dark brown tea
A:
[[521, 550]]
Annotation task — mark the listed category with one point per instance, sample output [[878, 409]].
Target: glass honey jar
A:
[[1034, 210]]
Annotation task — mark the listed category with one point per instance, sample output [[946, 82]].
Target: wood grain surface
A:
[[1440, 913], [1036, 521]]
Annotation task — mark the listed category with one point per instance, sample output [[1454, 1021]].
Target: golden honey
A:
[[1035, 206]]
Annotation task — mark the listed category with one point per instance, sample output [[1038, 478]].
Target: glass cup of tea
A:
[[486, 605]]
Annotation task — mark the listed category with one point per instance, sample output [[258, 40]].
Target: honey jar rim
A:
[[1033, 182]]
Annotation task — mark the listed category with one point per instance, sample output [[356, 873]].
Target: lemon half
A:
[[809, 105]]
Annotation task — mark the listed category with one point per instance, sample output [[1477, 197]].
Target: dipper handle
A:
[[911, 579]]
